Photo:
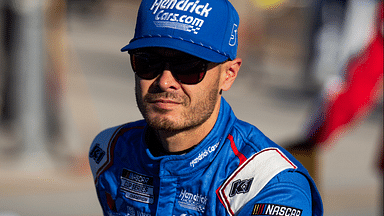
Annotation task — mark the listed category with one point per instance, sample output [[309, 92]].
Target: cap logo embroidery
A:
[[177, 21], [233, 38]]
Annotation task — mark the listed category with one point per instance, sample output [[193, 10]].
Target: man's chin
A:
[[164, 126], [169, 124]]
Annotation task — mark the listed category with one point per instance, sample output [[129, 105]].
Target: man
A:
[[191, 155]]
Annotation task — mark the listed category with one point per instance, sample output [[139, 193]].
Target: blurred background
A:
[[63, 79]]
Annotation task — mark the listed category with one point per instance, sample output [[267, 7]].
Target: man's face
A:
[[167, 104]]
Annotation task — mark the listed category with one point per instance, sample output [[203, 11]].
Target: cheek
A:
[[141, 87], [207, 91], [139, 92]]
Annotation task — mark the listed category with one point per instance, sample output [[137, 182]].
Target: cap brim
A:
[[181, 45]]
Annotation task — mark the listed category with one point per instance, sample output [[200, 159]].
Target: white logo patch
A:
[[251, 177]]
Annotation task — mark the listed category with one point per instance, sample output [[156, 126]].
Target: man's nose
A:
[[166, 80]]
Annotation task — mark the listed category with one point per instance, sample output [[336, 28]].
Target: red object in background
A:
[[362, 86]]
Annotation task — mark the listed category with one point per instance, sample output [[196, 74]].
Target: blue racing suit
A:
[[235, 170]]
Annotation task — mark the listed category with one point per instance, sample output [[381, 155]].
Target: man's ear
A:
[[231, 70]]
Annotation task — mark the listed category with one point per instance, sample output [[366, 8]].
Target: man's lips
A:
[[166, 101], [164, 104]]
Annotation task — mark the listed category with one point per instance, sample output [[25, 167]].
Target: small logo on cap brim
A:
[[233, 39]]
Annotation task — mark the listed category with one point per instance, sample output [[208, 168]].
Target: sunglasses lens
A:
[[190, 72], [146, 67], [186, 69]]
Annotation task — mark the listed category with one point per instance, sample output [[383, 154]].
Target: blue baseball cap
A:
[[203, 28]]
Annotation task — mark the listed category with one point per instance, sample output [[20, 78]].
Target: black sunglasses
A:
[[186, 68]]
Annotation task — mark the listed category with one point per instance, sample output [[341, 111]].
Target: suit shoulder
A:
[[251, 176], [100, 152]]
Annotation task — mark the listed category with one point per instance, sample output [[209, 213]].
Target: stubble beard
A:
[[193, 116]]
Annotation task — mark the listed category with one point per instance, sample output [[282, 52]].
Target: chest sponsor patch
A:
[[192, 201], [137, 187], [273, 209], [132, 211]]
